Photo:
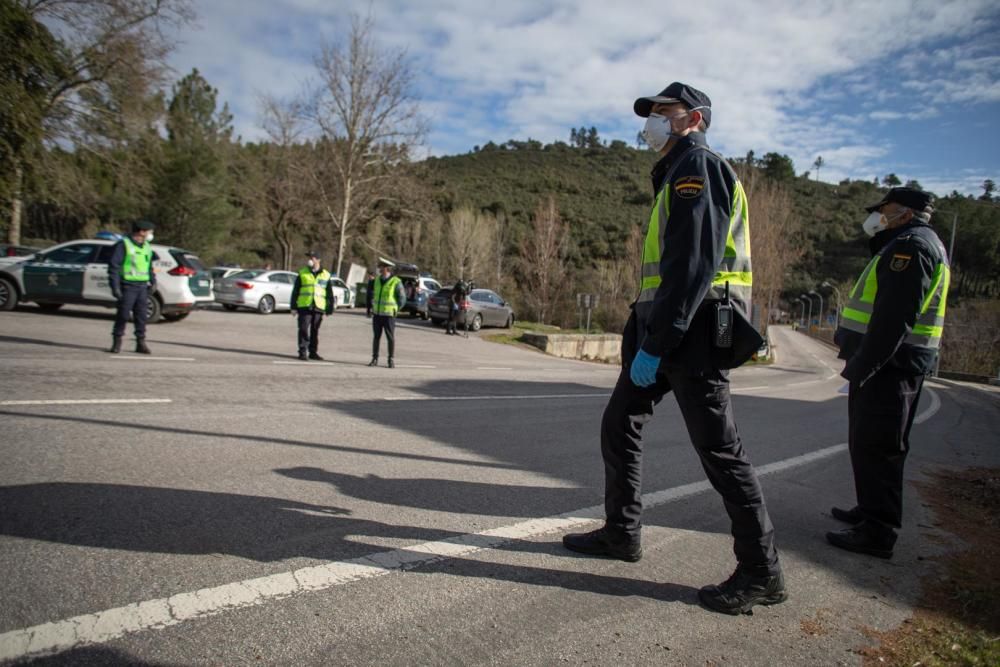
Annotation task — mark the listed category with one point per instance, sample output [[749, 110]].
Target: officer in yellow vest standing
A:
[[312, 297], [696, 282], [890, 333], [132, 279], [384, 300]]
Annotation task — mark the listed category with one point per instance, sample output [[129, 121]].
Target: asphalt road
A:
[[257, 509]]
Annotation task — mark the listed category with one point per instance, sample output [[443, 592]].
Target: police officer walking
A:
[[131, 275], [384, 299], [890, 333], [312, 297], [695, 274]]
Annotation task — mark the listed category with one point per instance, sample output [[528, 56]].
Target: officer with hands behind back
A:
[[312, 297], [384, 300], [687, 327], [132, 279], [890, 333]]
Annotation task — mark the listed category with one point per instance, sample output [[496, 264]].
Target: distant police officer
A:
[[455, 302], [890, 333], [696, 252], [312, 297], [131, 275], [384, 300]]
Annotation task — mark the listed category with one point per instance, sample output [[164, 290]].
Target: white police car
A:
[[77, 272]]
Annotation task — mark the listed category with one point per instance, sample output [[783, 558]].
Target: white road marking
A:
[[298, 363], [104, 626], [492, 398], [494, 368], [931, 409], [156, 614], [143, 357], [413, 366], [89, 401]]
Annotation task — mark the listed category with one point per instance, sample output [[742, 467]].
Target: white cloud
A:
[[798, 78]]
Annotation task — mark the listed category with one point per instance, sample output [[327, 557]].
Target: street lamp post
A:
[[818, 296], [836, 293], [810, 315], [802, 315]]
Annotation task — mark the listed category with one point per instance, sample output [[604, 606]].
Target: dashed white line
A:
[[142, 357], [493, 398], [494, 368], [88, 401]]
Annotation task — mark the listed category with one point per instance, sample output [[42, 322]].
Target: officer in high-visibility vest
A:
[[697, 250], [890, 334], [384, 300], [132, 280], [312, 297]]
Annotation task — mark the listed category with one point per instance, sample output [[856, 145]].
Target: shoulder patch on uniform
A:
[[689, 187], [899, 261]]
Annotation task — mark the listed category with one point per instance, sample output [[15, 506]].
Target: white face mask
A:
[[149, 237], [876, 222], [657, 131]]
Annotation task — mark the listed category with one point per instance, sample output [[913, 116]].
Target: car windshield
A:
[[247, 275]]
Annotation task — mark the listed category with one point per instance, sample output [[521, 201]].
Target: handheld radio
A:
[[724, 321]]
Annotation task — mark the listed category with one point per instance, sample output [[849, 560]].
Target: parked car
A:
[[77, 272], [220, 272], [257, 289], [344, 295], [419, 287], [482, 308]]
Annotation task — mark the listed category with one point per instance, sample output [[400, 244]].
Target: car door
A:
[[96, 284], [341, 293], [57, 275], [282, 284]]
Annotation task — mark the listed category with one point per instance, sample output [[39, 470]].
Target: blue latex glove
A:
[[643, 371]]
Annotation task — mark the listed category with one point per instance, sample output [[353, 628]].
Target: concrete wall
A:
[[590, 347]]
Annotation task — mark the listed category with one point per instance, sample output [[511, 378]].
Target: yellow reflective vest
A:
[[312, 289]]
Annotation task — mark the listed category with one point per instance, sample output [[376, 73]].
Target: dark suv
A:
[[418, 287]]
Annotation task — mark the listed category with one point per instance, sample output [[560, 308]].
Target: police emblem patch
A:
[[899, 262], [689, 187]]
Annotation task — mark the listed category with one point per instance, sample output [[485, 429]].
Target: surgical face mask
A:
[[658, 130], [876, 222], [149, 237]]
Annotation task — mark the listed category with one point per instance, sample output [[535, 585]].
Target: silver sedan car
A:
[[260, 290]]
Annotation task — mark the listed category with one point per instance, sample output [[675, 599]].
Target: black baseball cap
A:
[[918, 200], [314, 254], [142, 225], [690, 97]]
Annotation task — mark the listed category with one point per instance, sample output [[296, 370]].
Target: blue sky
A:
[[910, 87]]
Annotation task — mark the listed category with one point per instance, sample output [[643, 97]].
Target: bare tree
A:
[[369, 123], [468, 238], [542, 252], [108, 47], [818, 163]]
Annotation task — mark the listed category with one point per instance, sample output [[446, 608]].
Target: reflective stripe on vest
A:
[[312, 289], [385, 296], [929, 325], [138, 259], [735, 266]]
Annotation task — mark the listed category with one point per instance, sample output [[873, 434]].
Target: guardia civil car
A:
[[77, 272]]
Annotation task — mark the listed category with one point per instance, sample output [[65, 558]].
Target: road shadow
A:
[[69, 312], [96, 655], [50, 343]]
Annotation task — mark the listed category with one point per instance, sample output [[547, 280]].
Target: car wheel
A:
[[477, 323], [153, 309], [8, 295], [510, 322], [175, 317], [266, 305], [48, 306], [229, 306]]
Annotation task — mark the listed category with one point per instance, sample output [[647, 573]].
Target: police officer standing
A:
[[455, 303], [695, 273], [890, 333], [384, 298], [132, 278], [312, 297]]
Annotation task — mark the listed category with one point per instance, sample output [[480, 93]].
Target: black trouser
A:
[[135, 297], [309, 323], [704, 400], [386, 323], [880, 415], [453, 320]]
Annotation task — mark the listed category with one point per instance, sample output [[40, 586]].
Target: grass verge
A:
[[957, 621]]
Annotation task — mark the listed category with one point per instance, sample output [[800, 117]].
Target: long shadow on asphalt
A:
[[49, 343], [94, 655]]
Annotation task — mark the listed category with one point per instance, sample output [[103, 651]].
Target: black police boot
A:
[[852, 516], [373, 362], [392, 364], [602, 542], [140, 346], [315, 357], [116, 345], [739, 593], [303, 357], [868, 537]]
